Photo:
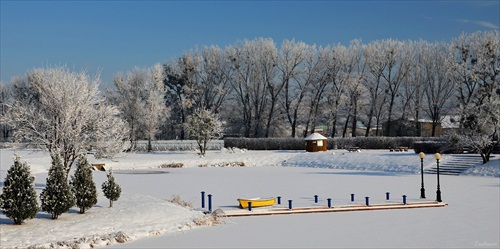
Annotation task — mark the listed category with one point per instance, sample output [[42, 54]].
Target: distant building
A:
[[315, 142], [423, 127]]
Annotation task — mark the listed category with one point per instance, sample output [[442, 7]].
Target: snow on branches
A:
[[203, 126], [18, 199], [65, 115], [111, 189]]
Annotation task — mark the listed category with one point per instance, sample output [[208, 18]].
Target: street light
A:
[[422, 189], [438, 192]]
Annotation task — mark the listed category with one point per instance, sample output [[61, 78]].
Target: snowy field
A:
[[148, 220]]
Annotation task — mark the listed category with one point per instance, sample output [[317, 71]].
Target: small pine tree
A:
[[111, 189], [83, 186], [57, 197], [18, 200]]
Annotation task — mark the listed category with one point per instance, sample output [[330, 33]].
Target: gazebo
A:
[[315, 142]]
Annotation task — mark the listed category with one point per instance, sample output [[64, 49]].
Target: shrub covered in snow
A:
[[57, 197], [203, 126], [83, 185], [18, 199], [111, 189]]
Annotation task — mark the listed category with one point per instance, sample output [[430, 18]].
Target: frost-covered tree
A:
[[180, 89], [199, 79], [140, 97], [317, 77], [111, 189], [481, 127], [83, 186], [5, 97], [63, 112], [291, 58], [373, 59], [252, 65], [398, 61], [57, 197], [438, 85], [155, 106], [477, 73], [108, 132], [203, 126], [346, 77], [18, 199]]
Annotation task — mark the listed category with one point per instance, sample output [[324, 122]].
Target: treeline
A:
[[260, 89]]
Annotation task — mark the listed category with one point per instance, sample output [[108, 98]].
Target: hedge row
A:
[[332, 143]]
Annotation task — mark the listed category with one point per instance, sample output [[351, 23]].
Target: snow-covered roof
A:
[[315, 136]]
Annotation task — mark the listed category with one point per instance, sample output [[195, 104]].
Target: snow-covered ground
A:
[[471, 220]]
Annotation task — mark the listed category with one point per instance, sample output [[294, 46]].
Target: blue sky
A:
[[114, 36]]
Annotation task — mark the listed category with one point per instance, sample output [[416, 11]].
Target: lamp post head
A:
[[437, 156], [421, 155]]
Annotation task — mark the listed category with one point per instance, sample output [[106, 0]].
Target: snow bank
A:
[[132, 216]]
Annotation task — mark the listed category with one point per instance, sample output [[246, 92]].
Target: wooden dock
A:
[[325, 209]]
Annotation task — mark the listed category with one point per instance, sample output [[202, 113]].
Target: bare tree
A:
[[439, 87], [344, 85], [409, 86], [376, 65], [249, 82], [317, 78], [415, 83], [398, 65], [214, 73], [292, 56]]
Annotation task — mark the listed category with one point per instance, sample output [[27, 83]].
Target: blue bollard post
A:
[[209, 203], [404, 199], [315, 198], [352, 197], [202, 199], [329, 202], [279, 200], [249, 206], [367, 201], [290, 204], [387, 196]]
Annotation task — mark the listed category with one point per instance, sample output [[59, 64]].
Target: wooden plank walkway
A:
[[325, 209]]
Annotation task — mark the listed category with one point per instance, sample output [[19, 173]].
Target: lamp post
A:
[[438, 192], [422, 189]]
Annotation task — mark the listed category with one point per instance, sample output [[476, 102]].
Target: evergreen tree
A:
[[83, 186], [57, 197], [111, 189], [18, 199]]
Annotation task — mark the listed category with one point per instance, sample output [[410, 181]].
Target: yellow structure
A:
[[257, 202]]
